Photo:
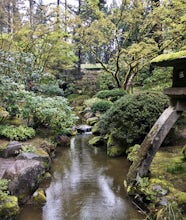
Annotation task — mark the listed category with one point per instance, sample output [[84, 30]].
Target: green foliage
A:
[[3, 114], [17, 133], [28, 149], [54, 113], [50, 90], [105, 81], [160, 78], [101, 106], [131, 117], [111, 95], [3, 189], [169, 57], [133, 152], [175, 168], [19, 66], [91, 101]]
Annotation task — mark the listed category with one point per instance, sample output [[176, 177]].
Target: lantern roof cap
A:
[[171, 59]]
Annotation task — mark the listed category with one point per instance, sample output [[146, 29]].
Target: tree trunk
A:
[[31, 7], [129, 83]]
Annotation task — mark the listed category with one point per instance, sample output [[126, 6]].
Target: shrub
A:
[[90, 102], [54, 113], [50, 90], [131, 117], [17, 133], [101, 106], [111, 95], [3, 114]]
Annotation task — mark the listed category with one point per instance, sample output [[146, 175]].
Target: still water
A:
[[86, 185]]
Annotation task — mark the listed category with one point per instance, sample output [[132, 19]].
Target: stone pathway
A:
[[4, 164]]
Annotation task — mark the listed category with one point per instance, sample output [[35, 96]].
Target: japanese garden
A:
[[92, 109]]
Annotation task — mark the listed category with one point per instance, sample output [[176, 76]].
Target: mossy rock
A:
[[133, 152], [95, 130], [163, 183], [96, 141], [115, 151], [39, 197], [92, 121], [173, 194], [9, 207], [114, 148], [2, 148]]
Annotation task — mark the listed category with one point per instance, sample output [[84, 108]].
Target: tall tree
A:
[[131, 36]]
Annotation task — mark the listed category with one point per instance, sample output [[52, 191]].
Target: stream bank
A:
[[85, 185]]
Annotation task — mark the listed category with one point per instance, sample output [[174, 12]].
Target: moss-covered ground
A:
[[169, 165]]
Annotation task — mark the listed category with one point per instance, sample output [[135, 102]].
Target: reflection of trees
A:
[[82, 188]]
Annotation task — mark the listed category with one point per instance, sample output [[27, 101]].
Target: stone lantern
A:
[[157, 134], [177, 92]]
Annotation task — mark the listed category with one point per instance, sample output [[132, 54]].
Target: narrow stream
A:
[[87, 185]]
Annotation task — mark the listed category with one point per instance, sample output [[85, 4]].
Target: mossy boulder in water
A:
[[9, 207], [95, 130], [39, 197], [113, 148], [91, 121], [24, 176], [96, 141]]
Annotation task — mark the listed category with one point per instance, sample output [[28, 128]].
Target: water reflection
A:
[[86, 185]]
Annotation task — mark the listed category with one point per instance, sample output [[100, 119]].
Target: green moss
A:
[[9, 207], [96, 141], [168, 57], [39, 197], [133, 152], [92, 121], [163, 183], [115, 151], [180, 197], [95, 130], [3, 147]]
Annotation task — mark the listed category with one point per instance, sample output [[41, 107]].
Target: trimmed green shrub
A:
[[101, 106], [111, 95], [91, 101], [20, 133], [131, 117]]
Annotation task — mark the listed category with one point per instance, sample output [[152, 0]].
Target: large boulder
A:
[[11, 149], [41, 156], [24, 176]]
